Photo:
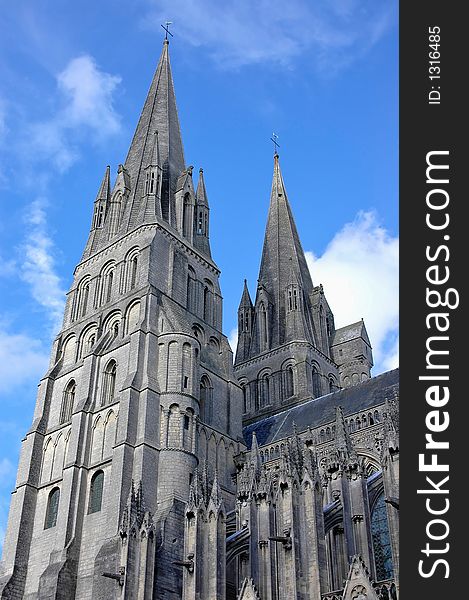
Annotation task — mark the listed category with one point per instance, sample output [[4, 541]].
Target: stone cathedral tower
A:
[[155, 469], [140, 398]]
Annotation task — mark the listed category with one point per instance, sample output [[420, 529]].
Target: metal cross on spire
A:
[[274, 139], [166, 28]]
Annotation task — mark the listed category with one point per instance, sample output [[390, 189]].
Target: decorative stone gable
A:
[[248, 591], [359, 585]]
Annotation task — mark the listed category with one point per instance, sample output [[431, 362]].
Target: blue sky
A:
[[323, 75]]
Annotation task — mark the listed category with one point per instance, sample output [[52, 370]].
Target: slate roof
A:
[[319, 411], [350, 332]]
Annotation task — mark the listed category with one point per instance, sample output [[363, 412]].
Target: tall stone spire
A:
[[282, 247], [283, 256], [159, 114], [245, 316]]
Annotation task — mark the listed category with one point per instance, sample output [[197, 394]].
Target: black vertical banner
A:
[[434, 170]]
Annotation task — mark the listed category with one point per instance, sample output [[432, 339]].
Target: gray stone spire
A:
[[159, 114], [281, 241], [283, 261], [201, 237], [245, 317]]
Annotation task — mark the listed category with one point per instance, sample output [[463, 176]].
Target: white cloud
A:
[[23, 360], [90, 96], [37, 264], [360, 273], [233, 339], [331, 32], [87, 96]]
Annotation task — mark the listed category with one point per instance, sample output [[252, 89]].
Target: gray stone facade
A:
[[155, 468]]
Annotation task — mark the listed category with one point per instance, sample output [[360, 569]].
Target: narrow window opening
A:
[[52, 509], [96, 492]]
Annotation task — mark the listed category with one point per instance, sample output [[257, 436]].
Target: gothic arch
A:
[[174, 427], [132, 316], [288, 371], [206, 399], [97, 438], [191, 290], [87, 339], [245, 395], [186, 368], [198, 332], [108, 391], [52, 509], [112, 323], [82, 297], [110, 430], [47, 460], [187, 216], [221, 460], [212, 455], [202, 449], [106, 285], [333, 387], [208, 301], [68, 400], [131, 268], [316, 380], [59, 455], [96, 492], [265, 388], [69, 349]]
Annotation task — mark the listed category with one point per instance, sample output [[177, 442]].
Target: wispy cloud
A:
[[332, 33], [38, 265], [86, 95], [359, 271], [23, 359]]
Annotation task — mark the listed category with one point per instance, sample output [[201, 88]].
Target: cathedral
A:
[[157, 467]]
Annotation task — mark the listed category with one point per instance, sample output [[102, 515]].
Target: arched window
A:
[[81, 298], [96, 492], [381, 541], [208, 302], [245, 404], [187, 219], [106, 283], [206, 408], [264, 390], [316, 383], [263, 326], [109, 280], [100, 216], [69, 350], [332, 386], [289, 382], [109, 383], [67, 402], [52, 509], [132, 317], [133, 271], [191, 290]]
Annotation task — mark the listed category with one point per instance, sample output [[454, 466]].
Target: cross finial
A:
[[274, 139], [166, 28]]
